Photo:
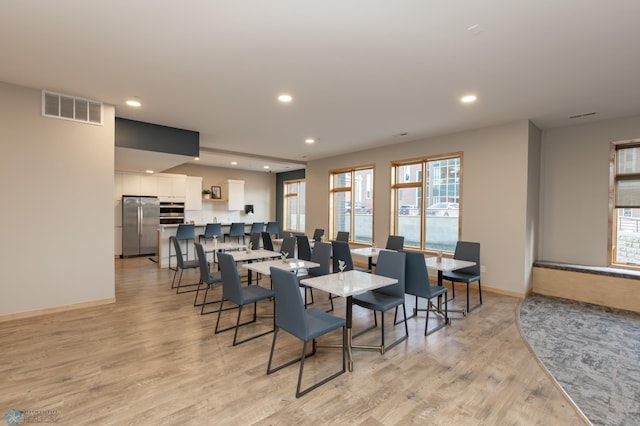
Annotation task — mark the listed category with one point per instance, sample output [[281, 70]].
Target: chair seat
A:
[[255, 293], [460, 277], [377, 301], [215, 277], [320, 323], [190, 264]]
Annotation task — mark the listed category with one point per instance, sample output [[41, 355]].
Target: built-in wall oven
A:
[[171, 213]]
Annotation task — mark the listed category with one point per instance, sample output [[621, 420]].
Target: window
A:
[[352, 203], [426, 202], [294, 205], [625, 202]]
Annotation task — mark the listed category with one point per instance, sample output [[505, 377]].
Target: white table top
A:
[[354, 282], [220, 246], [447, 264], [240, 256], [264, 268], [368, 252]]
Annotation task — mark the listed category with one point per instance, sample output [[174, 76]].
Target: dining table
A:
[[347, 284], [446, 264], [264, 267], [252, 256], [370, 253]]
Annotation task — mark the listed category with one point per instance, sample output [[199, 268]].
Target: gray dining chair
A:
[[391, 264], [305, 324], [181, 265], [417, 284], [466, 250], [317, 234], [211, 231], [321, 254], [288, 247], [304, 247], [267, 243], [342, 236], [185, 232], [233, 292], [208, 278]]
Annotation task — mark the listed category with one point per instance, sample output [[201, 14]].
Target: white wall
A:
[[259, 190], [574, 204], [56, 179], [494, 194]]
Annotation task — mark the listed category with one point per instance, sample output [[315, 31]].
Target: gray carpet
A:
[[592, 351]]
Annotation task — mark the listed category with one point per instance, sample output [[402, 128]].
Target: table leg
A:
[[461, 311], [371, 263], [349, 322]]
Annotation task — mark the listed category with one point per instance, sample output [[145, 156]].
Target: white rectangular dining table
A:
[[351, 283], [264, 267], [446, 264], [368, 252], [253, 255]]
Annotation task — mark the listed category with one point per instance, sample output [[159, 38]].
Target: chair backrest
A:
[[288, 246], [178, 249], [304, 248], [317, 234], [395, 242], [466, 250], [254, 239], [416, 281], [273, 228], [341, 251], [231, 289], [267, 244], [392, 264], [186, 231], [321, 254], [290, 315], [205, 273], [213, 230], [236, 229], [257, 227], [343, 236]]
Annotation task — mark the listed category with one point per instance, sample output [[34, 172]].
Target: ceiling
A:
[[361, 72]]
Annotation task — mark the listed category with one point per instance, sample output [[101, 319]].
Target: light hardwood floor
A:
[[150, 358]]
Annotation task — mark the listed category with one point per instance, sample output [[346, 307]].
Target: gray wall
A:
[[56, 178], [280, 178], [495, 207], [574, 206]]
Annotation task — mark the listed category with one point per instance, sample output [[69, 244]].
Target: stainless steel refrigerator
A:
[[140, 223]]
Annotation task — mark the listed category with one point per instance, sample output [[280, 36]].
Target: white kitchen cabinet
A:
[[235, 191], [193, 197], [172, 187], [131, 184], [149, 185], [138, 184]]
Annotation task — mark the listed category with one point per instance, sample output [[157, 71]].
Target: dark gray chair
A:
[[186, 232], [305, 324], [208, 278], [391, 264], [267, 244], [395, 242], [181, 266], [255, 240], [210, 231], [342, 251], [417, 284], [304, 248], [322, 255], [255, 227], [317, 234], [288, 246], [233, 292], [343, 236], [235, 230], [466, 250], [273, 228]]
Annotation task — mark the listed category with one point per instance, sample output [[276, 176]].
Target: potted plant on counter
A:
[[206, 194]]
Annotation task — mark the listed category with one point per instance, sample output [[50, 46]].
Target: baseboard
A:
[[611, 291], [56, 309]]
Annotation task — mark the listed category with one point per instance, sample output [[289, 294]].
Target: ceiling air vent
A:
[[67, 107]]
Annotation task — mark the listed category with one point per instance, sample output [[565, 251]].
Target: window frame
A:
[[352, 199], [424, 189], [285, 205]]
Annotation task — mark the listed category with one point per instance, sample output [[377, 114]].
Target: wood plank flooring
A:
[[150, 358]]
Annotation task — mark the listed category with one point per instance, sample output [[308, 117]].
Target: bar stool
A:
[[236, 230], [185, 233]]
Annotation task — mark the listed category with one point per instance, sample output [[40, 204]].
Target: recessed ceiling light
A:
[[468, 98], [285, 98], [134, 103], [148, 171], [265, 167], [309, 140], [234, 163]]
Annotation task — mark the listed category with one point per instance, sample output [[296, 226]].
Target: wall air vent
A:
[[67, 107], [584, 114]]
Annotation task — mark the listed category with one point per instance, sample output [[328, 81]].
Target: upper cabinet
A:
[[172, 187], [193, 200], [235, 191], [135, 184]]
